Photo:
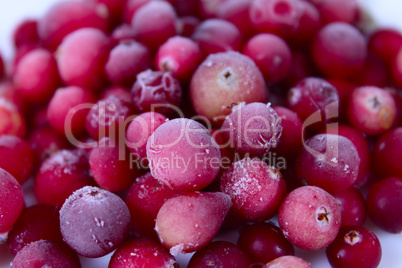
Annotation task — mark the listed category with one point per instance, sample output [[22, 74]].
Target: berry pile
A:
[[145, 128]]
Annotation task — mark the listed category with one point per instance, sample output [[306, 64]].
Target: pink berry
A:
[[353, 208], [187, 25], [142, 252], [82, 56], [44, 253], [256, 189], [387, 153], [292, 132], [60, 175], [138, 132], [156, 91], [220, 254], [144, 199], [35, 223], [126, 60], [131, 8], [371, 110], [183, 155], [102, 224], [385, 43], [252, 129], [216, 35], [68, 108], [65, 17], [328, 161], [354, 247], [288, 261], [279, 17], [11, 202], [310, 218], [224, 79], [384, 204], [115, 10], [373, 73], [337, 10], [339, 50], [208, 8], [30, 73], [16, 157], [108, 118], [264, 242], [180, 56], [314, 97], [163, 26], [237, 12], [188, 222], [111, 166], [26, 33], [274, 62], [121, 33]]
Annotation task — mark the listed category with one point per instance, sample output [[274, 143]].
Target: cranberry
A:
[[384, 204], [353, 207], [371, 110], [264, 242], [222, 80], [288, 261], [26, 33], [337, 10], [237, 12], [385, 43], [310, 218], [354, 247], [339, 50]]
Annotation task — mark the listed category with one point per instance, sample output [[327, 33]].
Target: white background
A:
[[385, 12]]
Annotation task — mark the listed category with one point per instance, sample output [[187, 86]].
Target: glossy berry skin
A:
[[11, 202], [35, 223], [183, 155], [111, 166], [144, 199], [103, 226], [275, 62], [68, 108], [29, 74], [354, 247], [16, 157], [256, 189], [237, 12], [223, 79], [387, 154], [314, 97], [126, 60], [216, 35], [310, 218], [163, 16], [396, 69], [82, 57], [26, 33], [385, 43], [44, 253], [288, 261], [188, 222], [252, 129], [180, 56], [142, 252], [339, 50], [220, 254], [328, 161], [65, 17], [156, 91], [353, 207], [384, 204], [264, 242], [138, 132], [337, 10], [107, 118], [292, 131], [371, 110], [60, 175]]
